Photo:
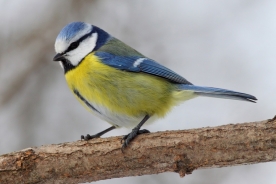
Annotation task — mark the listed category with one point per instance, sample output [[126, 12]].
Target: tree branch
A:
[[170, 151]]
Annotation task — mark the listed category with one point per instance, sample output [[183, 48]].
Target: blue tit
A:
[[120, 85]]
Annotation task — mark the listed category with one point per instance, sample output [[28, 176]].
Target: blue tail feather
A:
[[218, 93]]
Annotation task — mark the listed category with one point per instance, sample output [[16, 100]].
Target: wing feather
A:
[[140, 64]]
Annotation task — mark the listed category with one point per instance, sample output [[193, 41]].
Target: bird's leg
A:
[[135, 131], [87, 137]]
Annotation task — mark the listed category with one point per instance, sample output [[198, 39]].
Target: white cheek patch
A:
[[84, 48]]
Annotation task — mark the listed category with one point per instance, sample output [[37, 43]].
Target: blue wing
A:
[[140, 64]]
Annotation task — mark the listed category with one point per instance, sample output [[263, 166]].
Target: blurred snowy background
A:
[[229, 44]]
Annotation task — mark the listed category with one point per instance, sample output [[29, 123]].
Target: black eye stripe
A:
[[76, 43], [73, 46]]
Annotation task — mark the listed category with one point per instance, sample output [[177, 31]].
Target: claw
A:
[[129, 137], [88, 137]]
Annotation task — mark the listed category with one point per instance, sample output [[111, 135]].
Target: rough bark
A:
[[171, 151]]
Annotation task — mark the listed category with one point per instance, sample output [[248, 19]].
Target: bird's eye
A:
[[73, 46]]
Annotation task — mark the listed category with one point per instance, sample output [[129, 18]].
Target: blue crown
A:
[[70, 31]]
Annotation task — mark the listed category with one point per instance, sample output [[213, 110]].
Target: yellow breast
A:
[[129, 93]]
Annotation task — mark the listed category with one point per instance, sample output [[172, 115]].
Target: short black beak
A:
[[58, 57]]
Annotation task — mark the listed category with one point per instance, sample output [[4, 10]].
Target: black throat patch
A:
[[67, 66]]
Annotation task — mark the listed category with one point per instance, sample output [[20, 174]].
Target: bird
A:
[[119, 84]]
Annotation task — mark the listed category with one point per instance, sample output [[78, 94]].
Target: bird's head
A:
[[75, 41]]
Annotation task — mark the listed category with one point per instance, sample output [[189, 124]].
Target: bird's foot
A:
[[88, 137], [127, 138]]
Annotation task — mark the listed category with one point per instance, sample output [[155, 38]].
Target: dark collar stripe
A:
[[85, 101]]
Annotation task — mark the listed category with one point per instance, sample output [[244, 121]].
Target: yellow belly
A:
[[128, 93]]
